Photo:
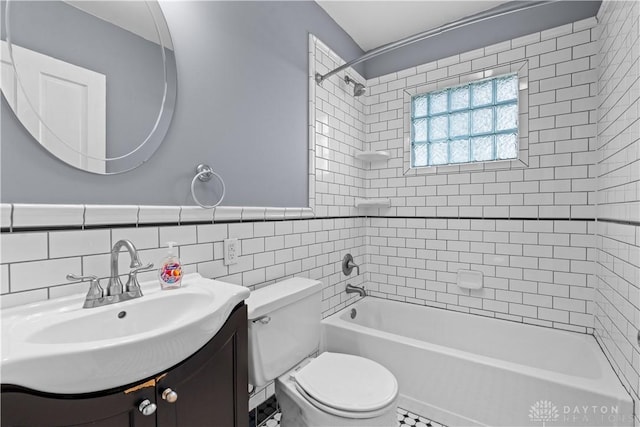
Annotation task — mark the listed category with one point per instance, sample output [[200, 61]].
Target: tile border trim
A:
[[34, 217], [23, 217]]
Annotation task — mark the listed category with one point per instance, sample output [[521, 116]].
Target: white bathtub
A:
[[462, 369]]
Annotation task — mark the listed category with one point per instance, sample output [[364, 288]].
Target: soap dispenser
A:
[[170, 273]]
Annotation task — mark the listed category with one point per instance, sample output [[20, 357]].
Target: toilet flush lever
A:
[[263, 320]]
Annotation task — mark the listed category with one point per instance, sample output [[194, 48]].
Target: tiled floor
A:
[[264, 413], [406, 418], [268, 415]]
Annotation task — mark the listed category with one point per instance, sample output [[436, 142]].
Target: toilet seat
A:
[[346, 385], [337, 412]]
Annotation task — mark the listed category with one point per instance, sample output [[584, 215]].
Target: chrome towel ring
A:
[[203, 174]]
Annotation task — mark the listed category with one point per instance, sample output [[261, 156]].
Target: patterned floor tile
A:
[[405, 419], [264, 412]]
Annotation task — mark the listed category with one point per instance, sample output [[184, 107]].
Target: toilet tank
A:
[[284, 327]]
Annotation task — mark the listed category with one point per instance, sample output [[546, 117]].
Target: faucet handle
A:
[[348, 265], [139, 269], [132, 284], [95, 290]]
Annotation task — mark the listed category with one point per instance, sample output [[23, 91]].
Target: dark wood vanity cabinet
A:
[[22, 407], [210, 390], [212, 384]]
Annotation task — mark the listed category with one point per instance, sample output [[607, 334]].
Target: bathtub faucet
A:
[[350, 289], [348, 265]]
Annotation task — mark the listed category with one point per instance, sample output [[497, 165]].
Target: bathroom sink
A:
[[57, 346], [145, 315]]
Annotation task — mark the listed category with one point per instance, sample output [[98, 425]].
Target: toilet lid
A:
[[348, 383]]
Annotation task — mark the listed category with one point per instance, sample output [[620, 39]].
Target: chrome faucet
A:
[[350, 289], [115, 284], [115, 291]]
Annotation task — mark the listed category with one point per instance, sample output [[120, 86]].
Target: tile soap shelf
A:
[[372, 156]]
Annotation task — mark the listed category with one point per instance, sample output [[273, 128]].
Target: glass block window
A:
[[475, 122]]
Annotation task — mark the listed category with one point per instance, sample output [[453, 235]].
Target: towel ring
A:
[[204, 174]]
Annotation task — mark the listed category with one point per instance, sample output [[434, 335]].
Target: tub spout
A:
[[350, 289]]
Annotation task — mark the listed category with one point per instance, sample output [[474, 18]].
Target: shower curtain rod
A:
[[471, 19]]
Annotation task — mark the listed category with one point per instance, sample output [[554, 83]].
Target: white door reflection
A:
[[71, 101]]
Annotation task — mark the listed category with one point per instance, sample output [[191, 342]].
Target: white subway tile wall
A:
[[534, 271], [558, 127], [35, 263], [338, 131], [617, 296]]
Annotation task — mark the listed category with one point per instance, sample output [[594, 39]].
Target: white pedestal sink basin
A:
[[57, 346]]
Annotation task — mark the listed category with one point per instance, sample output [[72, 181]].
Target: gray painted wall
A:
[[482, 34], [241, 107]]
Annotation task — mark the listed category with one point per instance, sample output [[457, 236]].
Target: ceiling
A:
[[374, 23]]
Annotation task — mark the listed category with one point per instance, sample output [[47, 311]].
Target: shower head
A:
[[358, 88]]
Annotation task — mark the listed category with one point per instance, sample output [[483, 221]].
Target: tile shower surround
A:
[[617, 287], [558, 130], [527, 225], [529, 229]]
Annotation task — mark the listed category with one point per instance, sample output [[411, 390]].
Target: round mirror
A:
[[94, 82]]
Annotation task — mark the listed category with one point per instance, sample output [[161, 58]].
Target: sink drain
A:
[[122, 314], [353, 313]]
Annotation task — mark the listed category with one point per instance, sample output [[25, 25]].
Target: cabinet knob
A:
[[169, 395], [146, 407]]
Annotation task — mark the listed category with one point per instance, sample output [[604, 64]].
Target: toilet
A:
[[332, 389]]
